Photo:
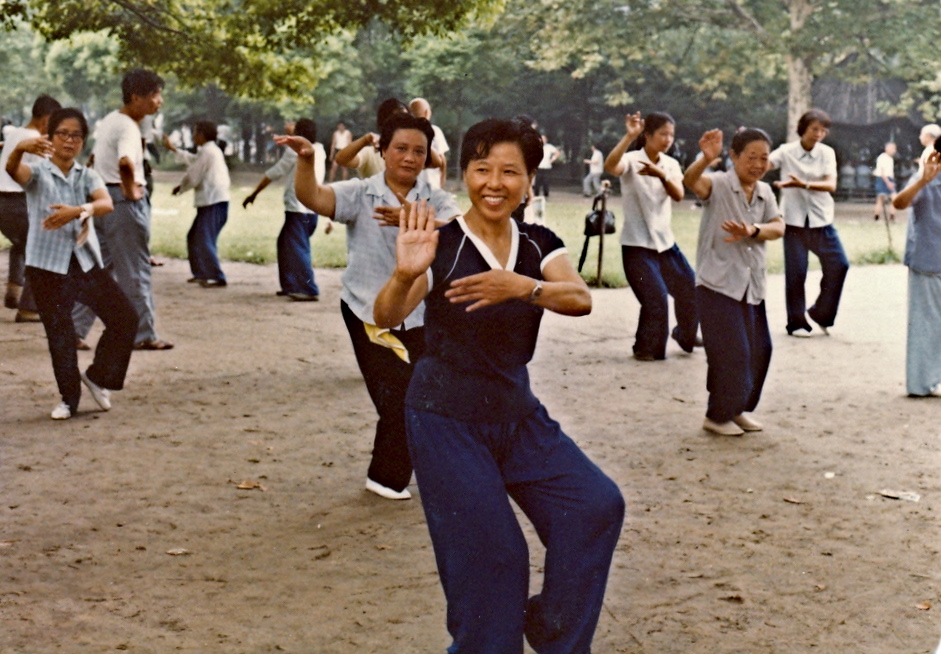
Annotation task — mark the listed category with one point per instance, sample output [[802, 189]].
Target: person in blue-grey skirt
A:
[[477, 435], [923, 258]]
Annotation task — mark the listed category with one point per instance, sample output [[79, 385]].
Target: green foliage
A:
[[265, 49]]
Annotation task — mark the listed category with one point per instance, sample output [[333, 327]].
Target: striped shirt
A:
[[52, 249]]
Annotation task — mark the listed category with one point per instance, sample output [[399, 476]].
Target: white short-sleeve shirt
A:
[[802, 207], [648, 209], [118, 136]]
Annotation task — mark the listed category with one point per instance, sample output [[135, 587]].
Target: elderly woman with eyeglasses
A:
[[63, 261]]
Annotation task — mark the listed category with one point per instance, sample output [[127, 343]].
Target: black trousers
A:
[[55, 296], [387, 378]]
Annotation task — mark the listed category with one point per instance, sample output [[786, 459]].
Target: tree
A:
[[723, 46], [250, 48]]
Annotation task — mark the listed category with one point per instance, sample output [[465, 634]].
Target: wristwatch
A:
[[536, 292]]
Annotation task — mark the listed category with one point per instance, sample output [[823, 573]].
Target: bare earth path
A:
[[127, 531]]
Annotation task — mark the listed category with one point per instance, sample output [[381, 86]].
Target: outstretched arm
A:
[[348, 157], [904, 199], [711, 146], [633, 126], [19, 171], [415, 248], [316, 197]]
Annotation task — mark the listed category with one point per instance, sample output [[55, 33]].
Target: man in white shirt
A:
[[207, 174], [437, 174], [884, 172], [342, 137], [14, 219], [124, 234], [549, 154], [591, 185]]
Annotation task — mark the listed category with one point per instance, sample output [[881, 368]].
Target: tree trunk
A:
[[799, 79], [799, 98]]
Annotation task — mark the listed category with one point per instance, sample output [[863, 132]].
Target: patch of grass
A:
[[250, 234]]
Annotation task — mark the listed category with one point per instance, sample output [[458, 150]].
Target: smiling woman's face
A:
[[496, 183]]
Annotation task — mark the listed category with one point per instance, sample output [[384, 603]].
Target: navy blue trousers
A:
[[737, 341], [654, 277], [467, 472], [825, 243], [295, 269], [201, 241]]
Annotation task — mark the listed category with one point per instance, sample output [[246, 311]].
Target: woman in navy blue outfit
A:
[[477, 435]]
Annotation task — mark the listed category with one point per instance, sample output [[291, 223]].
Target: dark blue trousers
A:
[[55, 296], [467, 472], [825, 243], [654, 276], [201, 241], [737, 340], [295, 270]]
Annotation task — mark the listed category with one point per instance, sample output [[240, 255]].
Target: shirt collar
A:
[[55, 170], [376, 186]]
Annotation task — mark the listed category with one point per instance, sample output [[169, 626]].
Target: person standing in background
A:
[[208, 175], [884, 172], [437, 174], [14, 216], [591, 185], [124, 233], [342, 137], [928, 135], [808, 181], [923, 258], [295, 269], [549, 155]]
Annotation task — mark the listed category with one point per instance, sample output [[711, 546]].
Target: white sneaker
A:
[[746, 422], [800, 332], [386, 492], [722, 428], [101, 395], [61, 412], [936, 391]]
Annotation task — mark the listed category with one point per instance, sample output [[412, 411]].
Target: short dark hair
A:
[[64, 114], [388, 108], [818, 115], [307, 128], [207, 128], [480, 138], [44, 106], [140, 81], [395, 122], [746, 135]]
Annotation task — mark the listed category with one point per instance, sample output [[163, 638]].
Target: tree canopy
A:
[[251, 48]]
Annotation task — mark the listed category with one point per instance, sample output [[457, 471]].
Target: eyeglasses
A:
[[69, 136]]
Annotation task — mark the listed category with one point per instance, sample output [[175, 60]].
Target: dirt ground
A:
[[128, 530]]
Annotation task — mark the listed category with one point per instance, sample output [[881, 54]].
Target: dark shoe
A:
[[303, 297], [644, 357], [195, 280], [154, 263], [154, 345], [81, 345], [281, 293], [212, 283], [12, 298], [27, 316]]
